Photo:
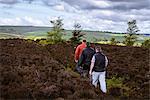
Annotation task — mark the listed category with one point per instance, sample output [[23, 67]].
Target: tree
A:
[[77, 35], [55, 35], [131, 38], [132, 27]]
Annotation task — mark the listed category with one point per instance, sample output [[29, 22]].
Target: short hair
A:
[[88, 44], [98, 48], [84, 40]]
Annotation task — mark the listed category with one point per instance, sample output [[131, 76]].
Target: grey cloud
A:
[[123, 0], [29, 1], [8, 13], [122, 11], [114, 4], [115, 18], [9, 2], [12, 2], [131, 5], [83, 4], [124, 16], [6, 6], [90, 5], [49, 3]]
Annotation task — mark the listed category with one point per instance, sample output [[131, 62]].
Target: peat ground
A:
[[31, 71]]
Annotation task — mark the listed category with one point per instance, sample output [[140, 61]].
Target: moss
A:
[[116, 87], [73, 74]]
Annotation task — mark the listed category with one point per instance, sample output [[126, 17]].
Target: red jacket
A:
[[79, 50]]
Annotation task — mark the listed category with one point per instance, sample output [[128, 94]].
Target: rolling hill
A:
[[36, 32]]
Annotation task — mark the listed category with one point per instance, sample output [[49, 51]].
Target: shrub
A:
[[130, 39], [116, 87], [146, 43], [113, 41], [105, 39], [43, 42], [55, 35], [114, 82]]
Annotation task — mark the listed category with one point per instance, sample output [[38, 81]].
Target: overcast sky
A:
[[102, 15]]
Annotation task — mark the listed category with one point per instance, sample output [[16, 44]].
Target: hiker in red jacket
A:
[[78, 53], [79, 50]]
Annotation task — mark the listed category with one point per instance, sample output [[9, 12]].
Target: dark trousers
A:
[[79, 69], [86, 69]]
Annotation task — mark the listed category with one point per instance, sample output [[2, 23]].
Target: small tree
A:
[[130, 38], [113, 41], [55, 35], [146, 43], [77, 35], [132, 27]]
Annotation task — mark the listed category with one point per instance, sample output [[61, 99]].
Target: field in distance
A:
[[32, 32]]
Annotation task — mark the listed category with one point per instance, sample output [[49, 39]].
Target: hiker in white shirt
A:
[[98, 66]]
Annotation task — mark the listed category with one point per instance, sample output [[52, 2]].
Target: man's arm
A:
[[77, 54], [81, 59], [106, 61], [92, 65]]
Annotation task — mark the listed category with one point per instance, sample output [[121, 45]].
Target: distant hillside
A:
[[25, 29], [22, 29], [37, 32]]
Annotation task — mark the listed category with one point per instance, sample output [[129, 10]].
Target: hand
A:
[[76, 61], [90, 72]]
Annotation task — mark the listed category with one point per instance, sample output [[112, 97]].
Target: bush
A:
[[146, 43], [114, 82], [130, 39], [113, 41], [116, 87], [105, 39], [43, 42]]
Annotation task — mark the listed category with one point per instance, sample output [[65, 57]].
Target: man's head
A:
[[88, 44], [84, 41], [98, 49]]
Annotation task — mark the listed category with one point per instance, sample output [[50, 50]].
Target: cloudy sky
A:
[[102, 15]]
